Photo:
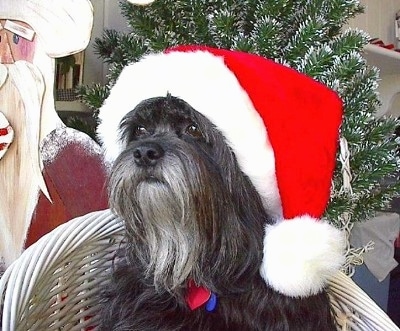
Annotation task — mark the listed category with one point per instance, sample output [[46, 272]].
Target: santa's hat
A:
[[63, 27], [283, 128]]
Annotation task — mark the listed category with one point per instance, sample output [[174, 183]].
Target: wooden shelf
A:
[[71, 106], [388, 61]]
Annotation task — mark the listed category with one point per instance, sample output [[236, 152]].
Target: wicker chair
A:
[[53, 285]]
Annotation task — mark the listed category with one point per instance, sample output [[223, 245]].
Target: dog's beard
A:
[[170, 255], [182, 216], [164, 203]]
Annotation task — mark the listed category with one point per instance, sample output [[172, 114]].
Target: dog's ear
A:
[[283, 127]]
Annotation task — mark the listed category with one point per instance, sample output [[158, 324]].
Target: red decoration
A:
[[197, 295]]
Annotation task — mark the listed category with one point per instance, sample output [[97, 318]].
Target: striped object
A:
[[6, 135]]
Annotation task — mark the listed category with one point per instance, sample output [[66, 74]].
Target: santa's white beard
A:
[[20, 169]]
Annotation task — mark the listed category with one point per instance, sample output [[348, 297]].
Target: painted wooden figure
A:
[[49, 173]]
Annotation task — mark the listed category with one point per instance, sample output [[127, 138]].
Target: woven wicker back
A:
[[55, 283]]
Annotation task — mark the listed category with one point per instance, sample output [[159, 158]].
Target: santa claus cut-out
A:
[[48, 173]]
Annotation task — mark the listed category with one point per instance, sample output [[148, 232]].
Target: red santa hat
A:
[[283, 127]]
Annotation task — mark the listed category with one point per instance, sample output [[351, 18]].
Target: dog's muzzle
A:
[[148, 154]]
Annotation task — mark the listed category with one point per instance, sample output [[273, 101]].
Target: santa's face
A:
[[17, 51], [17, 45], [17, 41]]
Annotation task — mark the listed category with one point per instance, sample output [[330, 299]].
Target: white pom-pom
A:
[[300, 255]]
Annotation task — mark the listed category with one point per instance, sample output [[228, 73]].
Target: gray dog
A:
[[194, 231]]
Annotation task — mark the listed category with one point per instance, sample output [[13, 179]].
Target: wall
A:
[[378, 19], [113, 18], [378, 22], [93, 70], [107, 15]]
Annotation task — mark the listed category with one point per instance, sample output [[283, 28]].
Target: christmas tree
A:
[[307, 35]]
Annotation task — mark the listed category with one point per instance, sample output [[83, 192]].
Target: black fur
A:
[[191, 213]]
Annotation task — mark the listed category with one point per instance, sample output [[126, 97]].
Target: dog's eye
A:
[[139, 131], [194, 131]]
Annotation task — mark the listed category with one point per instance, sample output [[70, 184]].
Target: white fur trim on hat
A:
[[63, 27], [212, 89], [300, 255]]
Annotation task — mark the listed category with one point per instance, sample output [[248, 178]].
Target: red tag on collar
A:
[[196, 295]]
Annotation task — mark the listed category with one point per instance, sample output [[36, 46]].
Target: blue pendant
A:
[[211, 303]]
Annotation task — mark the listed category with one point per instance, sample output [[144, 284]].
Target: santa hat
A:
[[283, 128], [63, 27]]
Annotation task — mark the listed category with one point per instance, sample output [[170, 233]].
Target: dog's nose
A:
[[147, 154]]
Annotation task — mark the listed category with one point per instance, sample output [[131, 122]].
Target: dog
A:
[[194, 222]]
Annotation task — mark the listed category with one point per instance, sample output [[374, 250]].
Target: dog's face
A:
[[189, 210]]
